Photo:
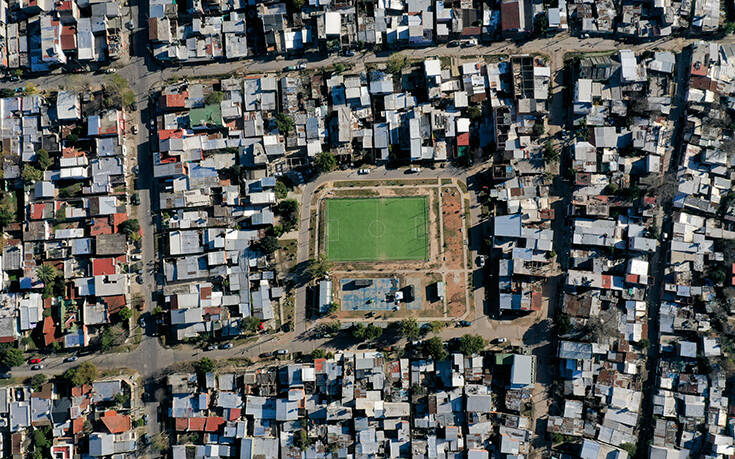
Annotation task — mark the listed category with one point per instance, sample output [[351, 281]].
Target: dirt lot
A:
[[455, 293], [453, 237]]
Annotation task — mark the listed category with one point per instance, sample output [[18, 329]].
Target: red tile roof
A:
[[510, 15], [77, 425], [197, 424], [116, 423], [181, 424], [68, 38], [175, 100], [114, 303], [214, 423], [234, 414], [100, 225], [463, 139], [37, 210], [49, 331], [103, 266], [117, 219]]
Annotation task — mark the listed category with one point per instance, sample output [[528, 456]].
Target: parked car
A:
[[110, 71], [363, 171], [72, 358], [35, 360], [499, 340], [465, 323], [291, 68], [211, 347], [349, 53], [135, 199], [469, 43], [136, 169], [135, 129], [37, 367], [480, 261], [226, 346], [453, 44], [281, 352], [414, 170], [130, 25], [5, 376]]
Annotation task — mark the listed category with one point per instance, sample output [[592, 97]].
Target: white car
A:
[[301, 66], [415, 170], [363, 171]]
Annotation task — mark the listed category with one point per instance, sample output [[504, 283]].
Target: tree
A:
[[540, 24], [83, 374], [11, 357], [325, 162], [129, 227], [318, 267], [214, 97], [396, 63], [339, 67], [474, 112], [252, 324], [31, 174], [301, 440], [362, 333], [728, 27], [409, 328], [284, 123], [117, 92], [125, 314], [332, 309], [436, 326], [204, 366], [37, 381], [281, 190], [550, 153], [288, 209], [47, 273], [471, 344], [434, 347], [43, 160], [267, 244]]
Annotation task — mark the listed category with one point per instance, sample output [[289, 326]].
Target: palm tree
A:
[[47, 273]]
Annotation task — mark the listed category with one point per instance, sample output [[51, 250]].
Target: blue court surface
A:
[[373, 297]]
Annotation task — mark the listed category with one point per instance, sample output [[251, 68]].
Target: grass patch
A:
[[446, 181], [376, 229], [462, 186]]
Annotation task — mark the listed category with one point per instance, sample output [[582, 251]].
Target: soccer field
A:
[[377, 229]]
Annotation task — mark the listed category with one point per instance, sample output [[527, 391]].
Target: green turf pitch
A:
[[377, 229]]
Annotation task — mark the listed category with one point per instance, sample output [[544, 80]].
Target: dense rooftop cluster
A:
[[696, 337], [62, 419], [41, 35], [622, 105], [66, 256], [359, 404]]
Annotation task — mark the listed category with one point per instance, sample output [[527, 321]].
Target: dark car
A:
[[453, 44], [73, 358], [226, 346], [465, 323]]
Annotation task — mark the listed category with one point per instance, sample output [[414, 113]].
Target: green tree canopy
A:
[[396, 63], [11, 357], [284, 123], [434, 348], [38, 380], [83, 374], [281, 190], [214, 97], [129, 227], [319, 267], [47, 273], [472, 344], [31, 174], [43, 160], [409, 328], [203, 366], [267, 244], [125, 313], [325, 162]]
